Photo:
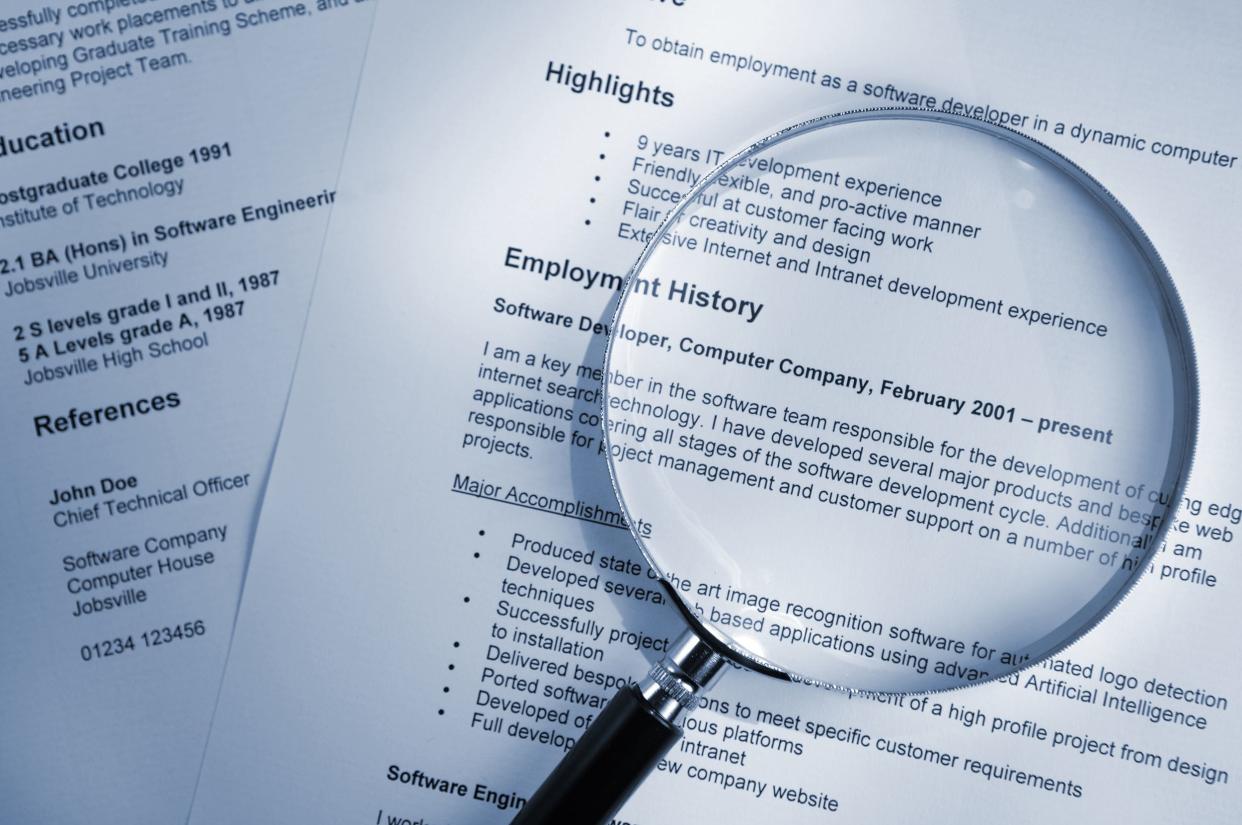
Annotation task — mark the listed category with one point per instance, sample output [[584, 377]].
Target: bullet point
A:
[[588, 222], [456, 644], [592, 200], [446, 689], [452, 667], [476, 555], [597, 177], [466, 600], [607, 134], [482, 532], [440, 711], [601, 155]]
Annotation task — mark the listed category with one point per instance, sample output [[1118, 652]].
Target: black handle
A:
[[611, 759]]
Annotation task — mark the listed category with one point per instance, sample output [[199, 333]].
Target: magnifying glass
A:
[[897, 401]]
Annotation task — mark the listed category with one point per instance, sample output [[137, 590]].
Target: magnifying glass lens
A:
[[899, 403]]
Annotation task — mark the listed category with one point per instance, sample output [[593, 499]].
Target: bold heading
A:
[[58, 136], [75, 418], [672, 290], [607, 84]]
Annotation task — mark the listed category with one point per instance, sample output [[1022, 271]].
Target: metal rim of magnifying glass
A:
[[1175, 312]]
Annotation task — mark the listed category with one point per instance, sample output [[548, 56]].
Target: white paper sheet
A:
[[166, 175], [381, 669]]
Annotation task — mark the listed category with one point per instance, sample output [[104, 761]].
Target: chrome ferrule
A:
[[675, 684]]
